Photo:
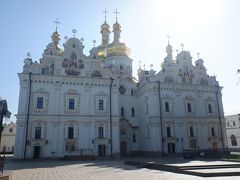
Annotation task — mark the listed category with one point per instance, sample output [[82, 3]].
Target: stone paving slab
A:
[[91, 170], [201, 168], [202, 163]]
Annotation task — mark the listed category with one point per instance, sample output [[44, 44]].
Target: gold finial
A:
[[56, 22], [168, 37], [198, 54], [151, 65], [74, 31], [116, 12], [94, 42], [182, 45], [105, 12], [29, 55]]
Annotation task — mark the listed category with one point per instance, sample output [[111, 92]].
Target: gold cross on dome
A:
[[105, 12], [56, 22], [182, 45], [116, 12]]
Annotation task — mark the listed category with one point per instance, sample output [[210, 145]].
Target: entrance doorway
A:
[[123, 148], [171, 148], [214, 145], [101, 150], [36, 152]]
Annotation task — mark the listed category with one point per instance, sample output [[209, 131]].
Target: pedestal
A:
[[6, 175]]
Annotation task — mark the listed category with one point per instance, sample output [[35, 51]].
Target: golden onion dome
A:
[[116, 27], [55, 37], [169, 49], [118, 49], [105, 27]]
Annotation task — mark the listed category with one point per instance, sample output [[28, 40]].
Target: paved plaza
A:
[[90, 170]]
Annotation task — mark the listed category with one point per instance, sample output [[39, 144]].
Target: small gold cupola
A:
[[116, 29], [105, 30]]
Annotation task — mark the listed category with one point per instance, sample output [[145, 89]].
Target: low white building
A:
[[233, 130], [8, 138], [72, 103]]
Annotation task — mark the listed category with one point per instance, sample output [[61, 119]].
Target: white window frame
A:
[[105, 98], [210, 101], [72, 94], [191, 101], [40, 93]]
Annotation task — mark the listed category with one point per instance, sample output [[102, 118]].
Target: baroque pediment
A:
[[41, 91]]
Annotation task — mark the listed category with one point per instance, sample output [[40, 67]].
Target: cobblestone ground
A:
[[77, 170]]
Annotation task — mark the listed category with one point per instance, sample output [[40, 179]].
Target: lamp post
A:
[[160, 115], [110, 110], [219, 115], [103, 55]]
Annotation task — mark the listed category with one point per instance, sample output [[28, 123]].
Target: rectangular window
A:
[[212, 131], [133, 112], [189, 108], [100, 105], [209, 108], [131, 92], [70, 132], [39, 103], [71, 104], [134, 138], [168, 132], [37, 132], [148, 132], [166, 107], [191, 132], [100, 132], [122, 111]]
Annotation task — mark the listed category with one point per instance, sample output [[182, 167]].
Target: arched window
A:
[[121, 69], [233, 140], [191, 132], [146, 104], [166, 107], [132, 92], [133, 112], [122, 111]]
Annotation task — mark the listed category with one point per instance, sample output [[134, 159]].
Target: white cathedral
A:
[[76, 104]]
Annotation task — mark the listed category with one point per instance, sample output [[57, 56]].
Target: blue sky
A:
[[210, 27]]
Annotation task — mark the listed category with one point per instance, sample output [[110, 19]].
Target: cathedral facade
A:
[[76, 104]]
